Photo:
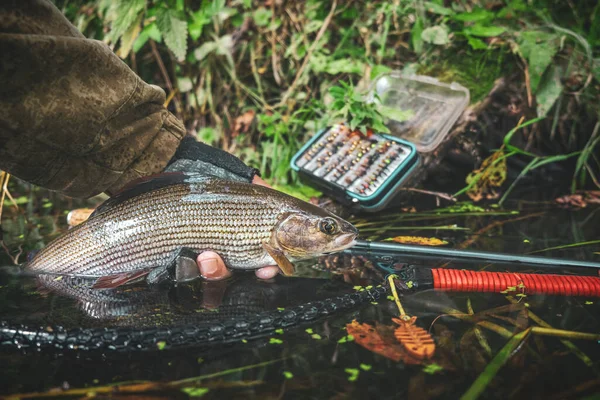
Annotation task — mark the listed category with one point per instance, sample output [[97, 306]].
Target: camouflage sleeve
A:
[[73, 117]]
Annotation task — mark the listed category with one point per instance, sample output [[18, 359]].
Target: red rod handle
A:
[[455, 280]]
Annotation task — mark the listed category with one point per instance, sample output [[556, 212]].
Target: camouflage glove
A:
[[198, 158]]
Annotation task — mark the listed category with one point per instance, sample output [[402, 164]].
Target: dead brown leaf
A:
[[243, 123]]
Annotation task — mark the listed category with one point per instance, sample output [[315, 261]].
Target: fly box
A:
[[367, 171]]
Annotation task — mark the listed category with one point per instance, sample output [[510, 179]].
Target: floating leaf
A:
[[279, 331], [195, 392], [161, 345], [275, 341], [316, 336], [366, 336], [419, 240], [288, 374], [353, 372], [174, 30], [432, 369], [365, 367], [347, 338]]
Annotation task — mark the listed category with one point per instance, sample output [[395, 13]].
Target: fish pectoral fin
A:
[[116, 280], [282, 261]]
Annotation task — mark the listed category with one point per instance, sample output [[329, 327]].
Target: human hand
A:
[[213, 268]]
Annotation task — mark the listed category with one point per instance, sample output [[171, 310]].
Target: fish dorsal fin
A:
[[148, 184]]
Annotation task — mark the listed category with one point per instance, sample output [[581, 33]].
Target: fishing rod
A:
[[392, 257]]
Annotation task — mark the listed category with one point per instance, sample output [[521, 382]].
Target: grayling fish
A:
[[143, 230]]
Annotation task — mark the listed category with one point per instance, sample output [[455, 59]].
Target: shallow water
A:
[[307, 360]]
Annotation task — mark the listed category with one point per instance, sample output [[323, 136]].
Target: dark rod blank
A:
[[471, 255]]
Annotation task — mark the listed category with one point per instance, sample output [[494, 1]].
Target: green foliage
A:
[[349, 105], [173, 28], [290, 63]]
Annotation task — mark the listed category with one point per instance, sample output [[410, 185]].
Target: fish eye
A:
[[328, 226]]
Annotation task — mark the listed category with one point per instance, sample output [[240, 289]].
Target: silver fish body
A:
[[146, 228]]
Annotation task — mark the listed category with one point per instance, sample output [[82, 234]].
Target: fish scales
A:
[[146, 229]]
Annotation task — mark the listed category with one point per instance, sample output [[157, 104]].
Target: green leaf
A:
[[484, 30], [275, 341], [150, 31], [201, 52], [161, 345], [365, 367], [313, 26], [436, 35], [345, 66], [377, 70], [173, 28], [261, 16], [199, 20], [437, 9], [395, 113], [492, 368], [129, 38], [477, 44], [415, 36], [538, 48], [479, 14], [123, 14], [549, 90], [195, 392], [184, 84]]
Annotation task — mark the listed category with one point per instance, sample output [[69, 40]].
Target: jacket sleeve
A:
[[73, 117]]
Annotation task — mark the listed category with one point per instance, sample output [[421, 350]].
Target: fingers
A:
[[267, 272], [257, 180], [211, 266]]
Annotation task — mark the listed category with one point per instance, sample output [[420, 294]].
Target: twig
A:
[[14, 259], [445, 196], [274, 62], [493, 225], [164, 73], [312, 48]]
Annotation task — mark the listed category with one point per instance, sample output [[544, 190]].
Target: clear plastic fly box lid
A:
[[419, 109]]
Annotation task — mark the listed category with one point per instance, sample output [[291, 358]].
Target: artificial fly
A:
[[415, 340]]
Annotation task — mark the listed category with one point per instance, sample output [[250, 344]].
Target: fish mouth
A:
[[345, 240]]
